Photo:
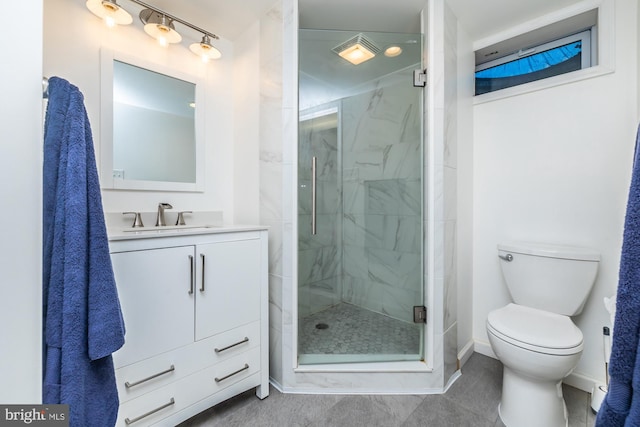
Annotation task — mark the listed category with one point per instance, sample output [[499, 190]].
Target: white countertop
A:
[[120, 233]]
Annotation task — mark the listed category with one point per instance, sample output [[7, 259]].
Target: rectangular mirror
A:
[[151, 126]]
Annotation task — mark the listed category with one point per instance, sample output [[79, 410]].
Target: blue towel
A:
[[621, 406], [83, 322]]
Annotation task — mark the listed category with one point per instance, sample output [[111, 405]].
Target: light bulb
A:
[[109, 21], [205, 50], [110, 12], [357, 54]]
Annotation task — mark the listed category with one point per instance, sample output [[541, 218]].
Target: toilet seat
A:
[[535, 330]]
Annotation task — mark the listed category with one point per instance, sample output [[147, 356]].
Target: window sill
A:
[[575, 76]]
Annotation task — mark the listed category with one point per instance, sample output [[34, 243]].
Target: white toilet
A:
[[534, 337]]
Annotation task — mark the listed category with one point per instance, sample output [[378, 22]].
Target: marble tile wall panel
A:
[[272, 171], [450, 356], [317, 296], [360, 292], [328, 197], [319, 254], [382, 196], [392, 232], [353, 195], [393, 197], [327, 234], [400, 270], [317, 264], [402, 161], [398, 303], [450, 59], [323, 145]]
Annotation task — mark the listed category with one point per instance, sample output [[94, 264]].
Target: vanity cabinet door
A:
[[155, 289], [227, 285]]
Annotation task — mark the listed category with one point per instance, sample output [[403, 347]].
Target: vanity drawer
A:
[[176, 396], [165, 368], [230, 343], [235, 369]]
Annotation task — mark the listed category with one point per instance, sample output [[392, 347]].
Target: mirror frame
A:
[[107, 181]]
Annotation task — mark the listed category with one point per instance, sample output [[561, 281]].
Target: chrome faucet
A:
[[160, 222]]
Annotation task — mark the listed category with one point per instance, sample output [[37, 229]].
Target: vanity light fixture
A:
[[159, 27], [205, 50], [157, 23], [110, 12], [357, 49]]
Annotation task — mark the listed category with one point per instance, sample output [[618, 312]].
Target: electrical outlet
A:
[[118, 173]]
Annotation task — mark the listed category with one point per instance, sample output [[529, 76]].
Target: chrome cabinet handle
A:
[[314, 160], [202, 284], [151, 412], [144, 380], [191, 281], [507, 257], [220, 350], [246, 366]]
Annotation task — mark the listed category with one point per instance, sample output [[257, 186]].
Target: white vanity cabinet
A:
[[195, 310]]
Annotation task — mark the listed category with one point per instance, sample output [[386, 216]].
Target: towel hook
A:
[[45, 88]]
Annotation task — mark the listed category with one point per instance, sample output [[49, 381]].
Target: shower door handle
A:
[[313, 194]]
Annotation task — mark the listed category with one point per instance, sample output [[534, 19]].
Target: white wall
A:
[[72, 40], [21, 192], [554, 165], [246, 118]]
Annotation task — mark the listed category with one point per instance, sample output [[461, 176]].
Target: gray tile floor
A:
[[472, 401], [348, 329]]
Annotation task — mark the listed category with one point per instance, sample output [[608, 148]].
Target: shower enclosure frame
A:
[[401, 248], [440, 367], [426, 363]]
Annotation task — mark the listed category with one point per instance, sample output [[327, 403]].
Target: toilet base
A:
[[531, 403]]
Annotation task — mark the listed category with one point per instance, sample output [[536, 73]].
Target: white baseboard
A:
[[465, 354], [579, 381], [276, 385], [483, 347]]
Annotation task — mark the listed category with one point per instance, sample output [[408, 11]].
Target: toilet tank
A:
[[549, 277]]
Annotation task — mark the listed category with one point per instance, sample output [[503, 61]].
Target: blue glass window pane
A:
[[559, 60]]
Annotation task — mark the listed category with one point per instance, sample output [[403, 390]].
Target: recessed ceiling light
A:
[[392, 51]]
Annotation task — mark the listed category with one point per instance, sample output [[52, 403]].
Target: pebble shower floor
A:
[[347, 329]]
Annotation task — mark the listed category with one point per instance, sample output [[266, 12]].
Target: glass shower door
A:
[[360, 245]]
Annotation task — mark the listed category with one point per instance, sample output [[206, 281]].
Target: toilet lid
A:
[[535, 329]]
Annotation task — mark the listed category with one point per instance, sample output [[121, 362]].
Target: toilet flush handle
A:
[[507, 257]]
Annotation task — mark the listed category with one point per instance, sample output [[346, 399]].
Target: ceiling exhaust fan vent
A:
[[357, 39]]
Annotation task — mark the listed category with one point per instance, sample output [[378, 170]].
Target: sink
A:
[[169, 229]]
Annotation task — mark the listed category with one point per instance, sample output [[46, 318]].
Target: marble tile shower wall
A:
[[449, 176], [273, 162], [319, 255], [382, 197]]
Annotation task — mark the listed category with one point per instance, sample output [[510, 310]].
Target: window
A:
[[540, 62]]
